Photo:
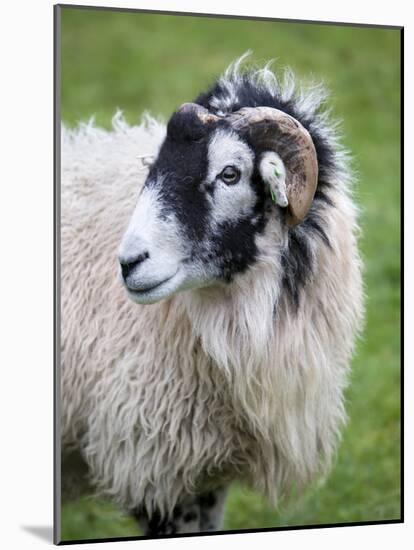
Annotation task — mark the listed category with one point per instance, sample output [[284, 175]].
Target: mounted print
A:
[[227, 274]]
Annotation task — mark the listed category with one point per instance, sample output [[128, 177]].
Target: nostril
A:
[[127, 267], [125, 270]]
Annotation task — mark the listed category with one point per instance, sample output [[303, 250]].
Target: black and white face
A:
[[198, 215]]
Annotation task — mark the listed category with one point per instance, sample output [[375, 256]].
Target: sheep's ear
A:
[[273, 172]]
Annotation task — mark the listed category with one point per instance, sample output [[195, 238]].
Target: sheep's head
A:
[[209, 194]]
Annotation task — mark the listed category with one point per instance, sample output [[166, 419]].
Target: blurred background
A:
[[152, 62]]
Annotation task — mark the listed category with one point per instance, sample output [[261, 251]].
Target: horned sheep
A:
[[239, 245]]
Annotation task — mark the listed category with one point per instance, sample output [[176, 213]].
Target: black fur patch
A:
[[186, 126], [178, 511], [156, 524], [180, 168], [190, 516], [208, 500], [297, 265], [234, 247]]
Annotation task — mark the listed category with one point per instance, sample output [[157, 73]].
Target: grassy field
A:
[[140, 62]]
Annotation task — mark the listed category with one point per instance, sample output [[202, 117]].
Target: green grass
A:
[[141, 62]]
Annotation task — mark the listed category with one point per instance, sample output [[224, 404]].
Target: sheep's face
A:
[[198, 215]]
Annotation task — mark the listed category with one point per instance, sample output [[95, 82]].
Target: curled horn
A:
[[274, 130]]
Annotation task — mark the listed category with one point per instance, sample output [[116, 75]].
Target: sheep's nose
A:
[[127, 267]]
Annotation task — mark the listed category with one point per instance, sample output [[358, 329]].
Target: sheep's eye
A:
[[230, 175]]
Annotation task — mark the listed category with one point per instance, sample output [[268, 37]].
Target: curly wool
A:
[[210, 385]]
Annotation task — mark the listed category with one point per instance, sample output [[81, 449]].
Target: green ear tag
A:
[[272, 193]]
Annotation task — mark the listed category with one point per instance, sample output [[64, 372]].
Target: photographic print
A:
[[228, 274]]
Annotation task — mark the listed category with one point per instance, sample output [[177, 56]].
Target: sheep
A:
[[210, 301]]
